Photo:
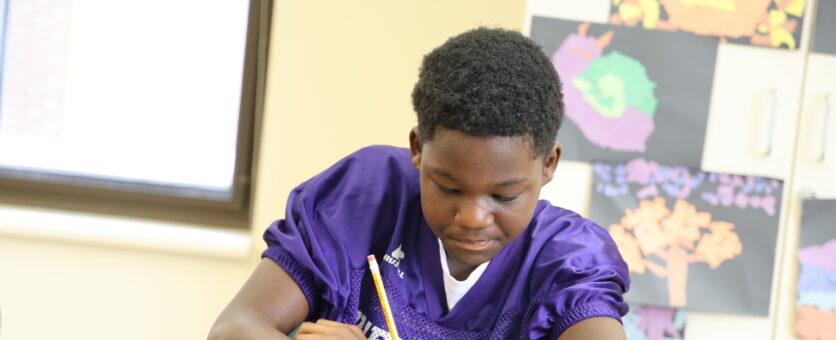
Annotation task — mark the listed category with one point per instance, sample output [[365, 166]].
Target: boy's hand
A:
[[327, 329]]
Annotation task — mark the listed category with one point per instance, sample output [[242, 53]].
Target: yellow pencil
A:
[[381, 292]]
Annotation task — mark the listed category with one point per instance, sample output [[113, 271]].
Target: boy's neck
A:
[[458, 270]]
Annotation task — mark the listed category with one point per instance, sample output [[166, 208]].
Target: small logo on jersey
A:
[[395, 259]]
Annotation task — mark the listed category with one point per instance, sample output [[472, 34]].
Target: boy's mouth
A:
[[471, 244]]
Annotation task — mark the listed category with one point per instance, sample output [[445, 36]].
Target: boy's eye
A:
[[447, 190], [505, 198]]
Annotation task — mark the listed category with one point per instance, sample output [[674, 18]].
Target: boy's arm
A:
[[595, 328], [269, 305]]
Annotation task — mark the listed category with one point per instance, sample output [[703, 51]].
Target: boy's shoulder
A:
[[551, 218], [566, 247], [556, 230], [370, 162], [377, 173], [380, 152], [377, 159]]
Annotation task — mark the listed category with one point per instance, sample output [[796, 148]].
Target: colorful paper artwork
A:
[[825, 25], [771, 23], [630, 92], [646, 322], [610, 97], [744, 192], [816, 289], [690, 238]]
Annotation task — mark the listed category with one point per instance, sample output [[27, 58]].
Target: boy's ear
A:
[[550, 163], [415, 147]]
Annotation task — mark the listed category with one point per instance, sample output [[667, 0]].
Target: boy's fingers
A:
[[316, 337], [323, 326], [329, 322], [313, 328], [354, 329]]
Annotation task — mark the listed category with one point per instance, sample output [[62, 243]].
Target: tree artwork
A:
[[678, 227], [678, 237]]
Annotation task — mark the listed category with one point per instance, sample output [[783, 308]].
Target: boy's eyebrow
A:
[[445, 174], [512, 182], [456, 179]]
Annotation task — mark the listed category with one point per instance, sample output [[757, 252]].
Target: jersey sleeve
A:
[[587, 278], [333, 221]]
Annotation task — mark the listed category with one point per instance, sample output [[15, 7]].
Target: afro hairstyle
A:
[[490, 82]]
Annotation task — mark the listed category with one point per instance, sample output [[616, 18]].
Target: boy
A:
[[467, 250]]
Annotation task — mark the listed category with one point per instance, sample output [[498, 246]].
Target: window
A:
[[144, 108]]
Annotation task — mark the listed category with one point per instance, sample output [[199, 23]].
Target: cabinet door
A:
[[814, 174], [753, 113], [815, 166]]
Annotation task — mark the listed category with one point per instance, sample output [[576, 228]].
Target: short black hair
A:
[[490, 82]]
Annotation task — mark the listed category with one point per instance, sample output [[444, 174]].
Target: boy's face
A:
[[479, 193]]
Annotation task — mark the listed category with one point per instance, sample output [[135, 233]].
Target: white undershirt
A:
[[455, 289]]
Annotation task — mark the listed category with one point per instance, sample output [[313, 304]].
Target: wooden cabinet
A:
[[773, 114]]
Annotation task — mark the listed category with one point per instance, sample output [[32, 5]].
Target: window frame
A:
[[154, 201]]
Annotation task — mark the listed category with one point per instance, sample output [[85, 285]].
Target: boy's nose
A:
[[474, 213]]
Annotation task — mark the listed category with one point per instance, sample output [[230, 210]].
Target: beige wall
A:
[[340, 77]]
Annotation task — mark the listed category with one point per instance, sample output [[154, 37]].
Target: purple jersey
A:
[[562, 269]]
